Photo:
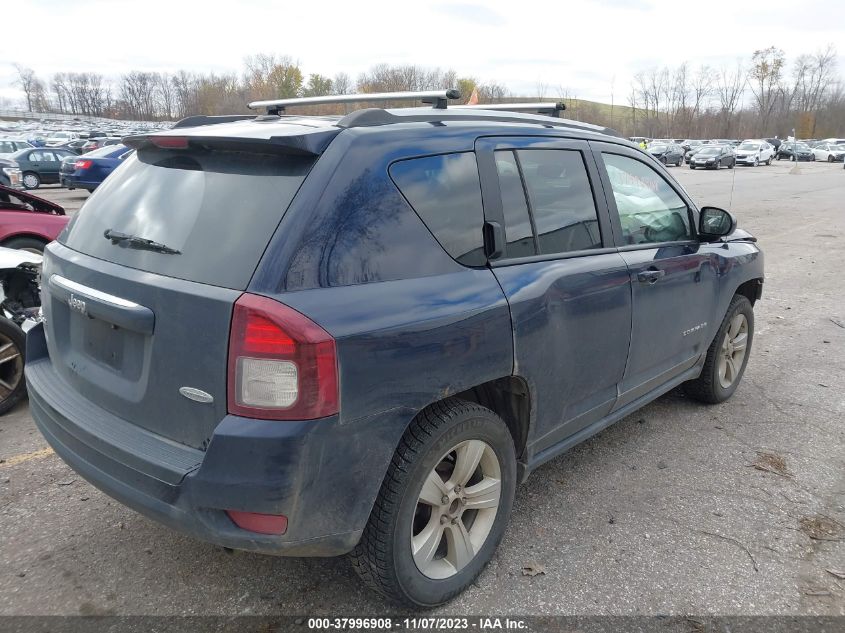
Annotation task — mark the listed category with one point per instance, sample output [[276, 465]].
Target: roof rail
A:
[[373, 117], [549, 109], [436, 97]]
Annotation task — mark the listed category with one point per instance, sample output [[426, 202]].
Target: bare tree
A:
[[764, 80], [729, 86], [29, 83], [342, 84]]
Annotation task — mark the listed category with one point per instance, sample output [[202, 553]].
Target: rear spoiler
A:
[[308, 144]]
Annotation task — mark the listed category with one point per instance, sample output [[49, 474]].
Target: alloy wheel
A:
[[11, 367], [30, 181], [456, 509], [733, 350]]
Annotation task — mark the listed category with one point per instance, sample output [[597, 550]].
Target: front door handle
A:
[[650, 276]]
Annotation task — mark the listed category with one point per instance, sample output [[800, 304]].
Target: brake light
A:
[[83, 164], [169, 142], [282, 365]]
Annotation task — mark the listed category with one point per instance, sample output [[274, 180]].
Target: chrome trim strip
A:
[[72, 286]]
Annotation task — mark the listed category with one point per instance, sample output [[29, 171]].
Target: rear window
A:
[[218, 208], [445, 192]]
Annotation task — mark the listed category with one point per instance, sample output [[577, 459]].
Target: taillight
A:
[[282, 365], [83, 164]]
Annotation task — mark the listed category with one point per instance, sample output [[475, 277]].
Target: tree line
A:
[[761, 96], [153, 96]]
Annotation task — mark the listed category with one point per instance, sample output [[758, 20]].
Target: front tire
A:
[[727, 355], [443, 506], [29, 244], [12, 350], [830, 158]]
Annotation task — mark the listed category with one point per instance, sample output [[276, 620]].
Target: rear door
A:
[[568, 289], [129, 327], [674, 282]]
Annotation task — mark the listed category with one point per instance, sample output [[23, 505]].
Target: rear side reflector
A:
[[259, 523], [282, 365]]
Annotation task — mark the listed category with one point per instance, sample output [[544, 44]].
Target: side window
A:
[[49, 157], [34, 157], [445, 192], [649, 209], [518, 232], [561, 200]]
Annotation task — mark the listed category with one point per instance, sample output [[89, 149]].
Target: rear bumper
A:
[[69, 180], [321, 474]]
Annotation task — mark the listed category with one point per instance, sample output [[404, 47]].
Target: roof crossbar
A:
[[437, 98], [549, 109]]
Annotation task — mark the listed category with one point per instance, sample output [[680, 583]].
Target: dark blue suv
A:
[[314, 336]]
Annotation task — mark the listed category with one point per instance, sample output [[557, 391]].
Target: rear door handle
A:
[[650, 276]]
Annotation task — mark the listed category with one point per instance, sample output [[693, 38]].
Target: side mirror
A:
[[715, 223]]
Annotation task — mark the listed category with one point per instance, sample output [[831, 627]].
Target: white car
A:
[[754, 152], [59, 138], [829, 152]]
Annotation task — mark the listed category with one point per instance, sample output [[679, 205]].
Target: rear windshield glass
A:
[[218, 208]]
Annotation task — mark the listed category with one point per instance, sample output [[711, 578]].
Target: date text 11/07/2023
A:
[[419, 624]]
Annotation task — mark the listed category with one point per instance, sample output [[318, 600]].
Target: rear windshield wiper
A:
[[133, 241]]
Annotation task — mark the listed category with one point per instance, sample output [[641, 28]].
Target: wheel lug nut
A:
[[457, 488], [444, 499], [444, 519], [454, 521]]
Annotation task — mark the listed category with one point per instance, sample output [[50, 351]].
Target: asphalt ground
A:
[[734, 509]]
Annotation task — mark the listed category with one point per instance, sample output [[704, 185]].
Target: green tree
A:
[[317, 86]]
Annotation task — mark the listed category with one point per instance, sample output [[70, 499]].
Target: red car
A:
[[28, 222]]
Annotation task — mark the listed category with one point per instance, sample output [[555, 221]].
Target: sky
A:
[[588, 49]]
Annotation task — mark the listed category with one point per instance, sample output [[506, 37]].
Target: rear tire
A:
[[29, 244], [31, 180], [692, 166], [12, 351], [830, 158], [471, 439], [719, 378]]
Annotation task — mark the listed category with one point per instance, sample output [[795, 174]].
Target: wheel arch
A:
[[751, 289]]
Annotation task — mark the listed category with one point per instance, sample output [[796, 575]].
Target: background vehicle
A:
[[10, 146], [791, 149], [60, 138], [753, 152], [98, 142], [74, 146], [667, 153], [829, 152], [28, 222], [40, 165], [774, 142], [10, 173], [688, 144], [360, 320], [89, 170], [713, 157], [692, 152], [19, 312]]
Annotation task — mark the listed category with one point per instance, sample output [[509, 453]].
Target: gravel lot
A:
[[662, 513]]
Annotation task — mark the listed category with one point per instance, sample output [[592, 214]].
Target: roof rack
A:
[[436, 97], [549, 109]]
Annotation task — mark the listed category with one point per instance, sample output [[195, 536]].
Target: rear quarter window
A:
[[445, 192]]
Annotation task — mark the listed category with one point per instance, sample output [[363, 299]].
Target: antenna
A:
[[438, 99]]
